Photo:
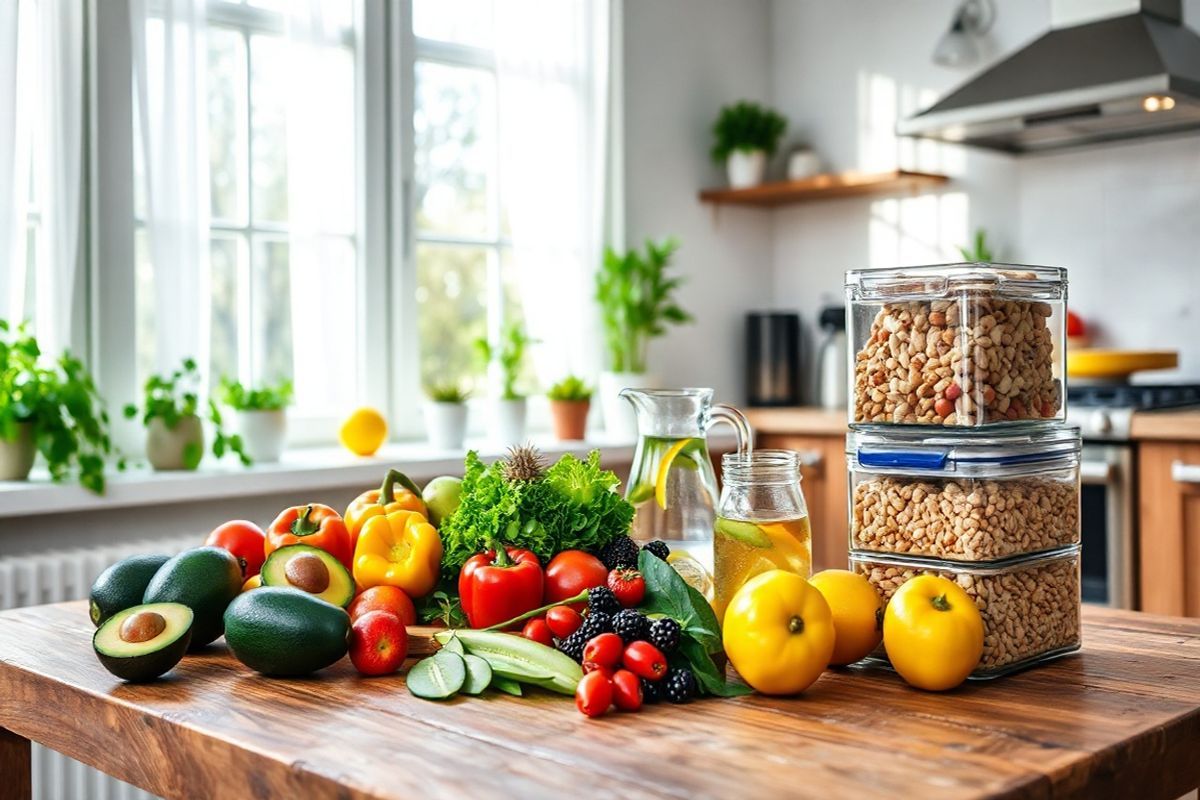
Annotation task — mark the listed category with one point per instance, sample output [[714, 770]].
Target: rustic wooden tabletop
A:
[[1119, 718]]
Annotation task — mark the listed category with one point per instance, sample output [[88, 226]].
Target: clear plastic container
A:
[[976, 498], [1030, 606], [956, 344]]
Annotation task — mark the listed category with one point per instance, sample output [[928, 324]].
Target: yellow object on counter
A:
[[857, 613], [363, 432], [1095, 363], [933, 633], [398, 549]]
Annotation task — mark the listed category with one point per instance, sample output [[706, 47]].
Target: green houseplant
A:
[[509, 410], [51, 409], [446, 415], [979, 250], [745, 134], [260, 416], [570, 401]]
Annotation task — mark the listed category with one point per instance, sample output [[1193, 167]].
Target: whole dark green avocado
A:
[[285, 632], [122, 585], [205, 579]]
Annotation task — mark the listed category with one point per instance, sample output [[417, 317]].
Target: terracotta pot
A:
[[168, 448], [570, 418], [16, 457]]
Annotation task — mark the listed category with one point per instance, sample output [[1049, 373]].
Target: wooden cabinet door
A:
[[824, 485], [1169, 527]]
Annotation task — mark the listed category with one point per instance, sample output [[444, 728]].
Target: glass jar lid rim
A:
[[940, 279]]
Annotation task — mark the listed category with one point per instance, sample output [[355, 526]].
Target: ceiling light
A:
[[958, 47]]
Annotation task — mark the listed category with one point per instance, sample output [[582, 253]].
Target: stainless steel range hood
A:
[[1120, 77]]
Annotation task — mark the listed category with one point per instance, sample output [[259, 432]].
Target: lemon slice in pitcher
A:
[[693, 573], [664, 469]]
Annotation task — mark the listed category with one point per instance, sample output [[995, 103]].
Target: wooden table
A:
[[1122, 718]]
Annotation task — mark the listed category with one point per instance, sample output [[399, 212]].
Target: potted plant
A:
[[174, 432], [570, 400], [51, 409], [509, 410], [744, 135], [637, 303], [446, 415], [260, 417]]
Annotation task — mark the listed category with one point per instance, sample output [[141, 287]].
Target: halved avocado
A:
[[312, 570], [144, 642]]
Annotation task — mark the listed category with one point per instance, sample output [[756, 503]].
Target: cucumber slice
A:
[[744, 532], [479, 675], [437, 677], [506, 685], [454, 645]]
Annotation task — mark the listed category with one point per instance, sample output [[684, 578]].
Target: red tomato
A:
[[563, 621], [594, 694], [378, 643], [1075, 326], [589, 666], [570, 572], [245, 540], [645, 660], [384, 598], [604, 650], [627, 690], [537, 630]]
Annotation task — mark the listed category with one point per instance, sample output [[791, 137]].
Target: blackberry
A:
[[630, 624], [621, 552], [595, 623], [601, 598], [659, 548], [664, 634], [652, 691], [680, 685], [573, 645]]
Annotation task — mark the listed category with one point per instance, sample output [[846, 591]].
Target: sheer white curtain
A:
[[553, 90], [12, 148], [170, 102]]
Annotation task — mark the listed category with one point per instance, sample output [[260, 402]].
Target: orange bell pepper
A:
[[387, 498], [398, 549]]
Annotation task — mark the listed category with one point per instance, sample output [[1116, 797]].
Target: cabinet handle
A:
[[1185, 473], [1095, 472]]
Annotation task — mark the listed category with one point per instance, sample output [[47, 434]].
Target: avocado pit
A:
[[142, 627], [306, 571]]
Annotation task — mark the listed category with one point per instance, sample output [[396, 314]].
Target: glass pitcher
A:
[[671, 484]]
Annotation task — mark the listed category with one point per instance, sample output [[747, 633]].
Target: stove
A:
[[1104, 411]]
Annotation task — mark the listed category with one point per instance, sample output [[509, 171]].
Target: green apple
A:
[[442, 496]]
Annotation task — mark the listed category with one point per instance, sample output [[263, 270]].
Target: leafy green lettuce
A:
[[574, 505]]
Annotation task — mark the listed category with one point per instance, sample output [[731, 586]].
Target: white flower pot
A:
[[446, 425], [620, 421], [745, 168], [263, 433], [508, 421], [16, 457], [181, 447]]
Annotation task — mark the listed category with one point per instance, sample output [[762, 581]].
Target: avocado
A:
[[144, 642], [122, 585], [311, 570], [285, 632], [204, 579]]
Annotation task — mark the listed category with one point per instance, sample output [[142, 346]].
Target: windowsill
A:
[[300, 470]]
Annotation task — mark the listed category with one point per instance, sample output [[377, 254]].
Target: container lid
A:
[[919, 451], [945, 280], [1013, 564]]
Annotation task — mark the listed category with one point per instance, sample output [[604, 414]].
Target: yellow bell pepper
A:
[[778, 632], [933, 633], [387, 498], [398, 549]]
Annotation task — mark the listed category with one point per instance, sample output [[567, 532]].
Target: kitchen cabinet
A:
[[823, 459], [1169, 526]]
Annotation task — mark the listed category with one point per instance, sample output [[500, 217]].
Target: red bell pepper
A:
[[499, 585], [315, 525]]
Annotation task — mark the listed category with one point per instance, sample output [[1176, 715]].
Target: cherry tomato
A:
[[594, 694], [604, 650], [392, 599], [537, 630], [627, 690], [563, 620], [590, 666], [645, 660], [570, 572], [245, 540]]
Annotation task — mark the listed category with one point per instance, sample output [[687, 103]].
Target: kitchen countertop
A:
[[1118, 719], [799, 420], [1180, 426]]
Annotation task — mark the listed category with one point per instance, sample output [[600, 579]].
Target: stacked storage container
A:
[[959, 462]]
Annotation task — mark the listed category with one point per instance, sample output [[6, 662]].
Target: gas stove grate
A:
[[1139, 397]]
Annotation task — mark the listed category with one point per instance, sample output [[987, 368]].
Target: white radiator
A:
[[55, 576]]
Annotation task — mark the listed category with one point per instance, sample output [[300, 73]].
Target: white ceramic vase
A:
[[263, 433], [745, 168], [508, 421], [16, 457], [446, 425], [620, 421], [180, 447]]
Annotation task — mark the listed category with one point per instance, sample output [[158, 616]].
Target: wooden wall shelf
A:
[[825, 187]]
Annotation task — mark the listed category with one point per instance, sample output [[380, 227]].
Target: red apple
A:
[[384, 598], [378, 643]]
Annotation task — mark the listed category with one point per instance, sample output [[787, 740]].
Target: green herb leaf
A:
[[666, 592]]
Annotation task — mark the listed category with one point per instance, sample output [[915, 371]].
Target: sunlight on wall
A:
[[917, 230]]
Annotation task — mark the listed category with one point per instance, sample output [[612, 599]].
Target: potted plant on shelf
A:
[[637, 303], [745, 134], [260, 417], [54, 410], [174, 432], [509, 410], [570, 400], [446, 415]]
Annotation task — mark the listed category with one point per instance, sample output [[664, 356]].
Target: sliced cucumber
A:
[[744, 532], [479, 675], [437, 677], [454, 645], [506, 685]]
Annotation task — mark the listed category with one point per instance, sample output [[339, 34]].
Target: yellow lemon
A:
[[857, 613], [363, 431], [664, 469]]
